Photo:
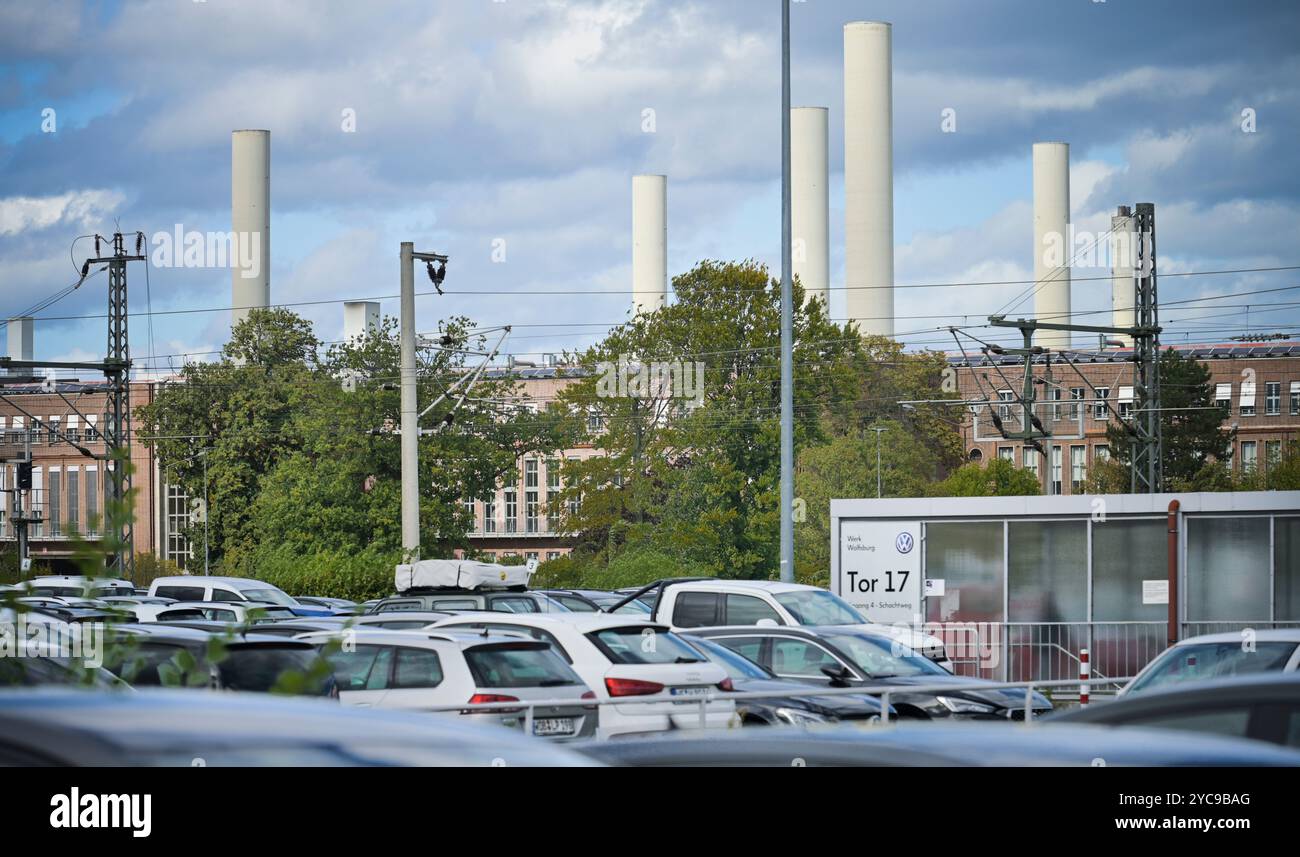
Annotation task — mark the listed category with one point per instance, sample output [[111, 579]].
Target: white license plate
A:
[[690, 691], [553, 726]]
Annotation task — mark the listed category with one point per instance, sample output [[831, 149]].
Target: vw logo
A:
[[904, 543]]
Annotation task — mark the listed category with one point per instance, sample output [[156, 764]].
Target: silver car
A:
[[437, 670]]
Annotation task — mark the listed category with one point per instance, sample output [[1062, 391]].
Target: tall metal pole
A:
[[787, 316], [410, 418], [205, 513]]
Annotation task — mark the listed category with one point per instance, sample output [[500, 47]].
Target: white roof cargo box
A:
[[460, 574]]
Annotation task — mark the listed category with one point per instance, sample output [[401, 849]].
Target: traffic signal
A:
[[24, 476]]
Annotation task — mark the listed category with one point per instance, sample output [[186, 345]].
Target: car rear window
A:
[[181, 593], [1200, 661], [641, 645], [518, 665], [260, 669], [363, 668]]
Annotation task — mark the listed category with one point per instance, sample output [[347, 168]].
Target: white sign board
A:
[[934, 586], [1155, 592], [880, 569]]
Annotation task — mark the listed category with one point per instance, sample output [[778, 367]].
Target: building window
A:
[[1099, 407], [1223, 397], [1004, 410], [92, 501], [1272, 398], [469, 513], [490, 514], [530, 473], [595, 422], [1056, 470], [1078, 468], [1248, 456], [74, 500], [1101, 452], [1295, 398], [530, 511], [1125, 403], [1055, 396], [550, 555], [1007, 453], [512, 510], [52, 499], [1076, 395], [1029, 458], [1247, 402], [1272, 453], [177, 547], [530, 555]]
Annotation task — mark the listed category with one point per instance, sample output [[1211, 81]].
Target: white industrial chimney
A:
[[649, 243], [869, 176], [250, 221], [810, 201], [19, 334], [359, 319], [1123, 292], [1052, 249]]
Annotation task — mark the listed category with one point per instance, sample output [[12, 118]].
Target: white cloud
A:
[[84, 208]]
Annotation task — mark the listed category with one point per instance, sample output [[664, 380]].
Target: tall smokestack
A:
[[250, 221], [1052, 250], [869, 176], [359, 319], [19, 333], [649, 243], [1123, 294], [810, 201]]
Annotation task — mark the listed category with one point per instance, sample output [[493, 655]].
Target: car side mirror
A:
[[838, 674]]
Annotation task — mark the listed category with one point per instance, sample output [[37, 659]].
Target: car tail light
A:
[[726, 684], [632, 687], [480, 698], [591, 695]]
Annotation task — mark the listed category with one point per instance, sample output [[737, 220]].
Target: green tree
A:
[[997, 478], [1191, 425]]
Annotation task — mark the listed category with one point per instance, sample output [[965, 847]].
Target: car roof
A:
[[772, 586], [764, 630], [1285, 635], [583, 622], [393, 615], [238, 583], [417, 637], [185, 634], [81, 579]]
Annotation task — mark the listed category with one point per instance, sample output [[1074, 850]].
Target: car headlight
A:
[[799, 716], [957, 705]]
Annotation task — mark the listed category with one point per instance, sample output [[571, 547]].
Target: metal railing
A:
[[883, 693]]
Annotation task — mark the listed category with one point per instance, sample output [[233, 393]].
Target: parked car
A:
[[75, 585], [1264, 706], [335, 605], [685, 603], [244, 613], [151, 655], [574, 600], [410, 670], [848, 657], [297, 627], [496, 600], [51, 726], [1211, 656], [400, 620], [791, 703], [235, 589], [600, 600], [941, 745], [621, 658], [144, 608]]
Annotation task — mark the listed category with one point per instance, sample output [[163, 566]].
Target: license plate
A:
[[690, 691], [553, 726]]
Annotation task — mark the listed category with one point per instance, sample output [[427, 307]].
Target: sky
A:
[[505, 134]]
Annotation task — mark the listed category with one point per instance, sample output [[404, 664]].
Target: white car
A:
[[202, 588], [76, 586], [221, 611], [687, 604], [621, 657], [433, 669], [1220, 655], [144, 608]]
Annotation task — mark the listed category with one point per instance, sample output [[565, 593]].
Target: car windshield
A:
[[819, 607], [638, 645], [736, 665], [267, 668], [1201, 661], [271, 595], [519, 666], [882, 658]]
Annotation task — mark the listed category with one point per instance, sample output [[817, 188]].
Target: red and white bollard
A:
[[1085, 672]]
